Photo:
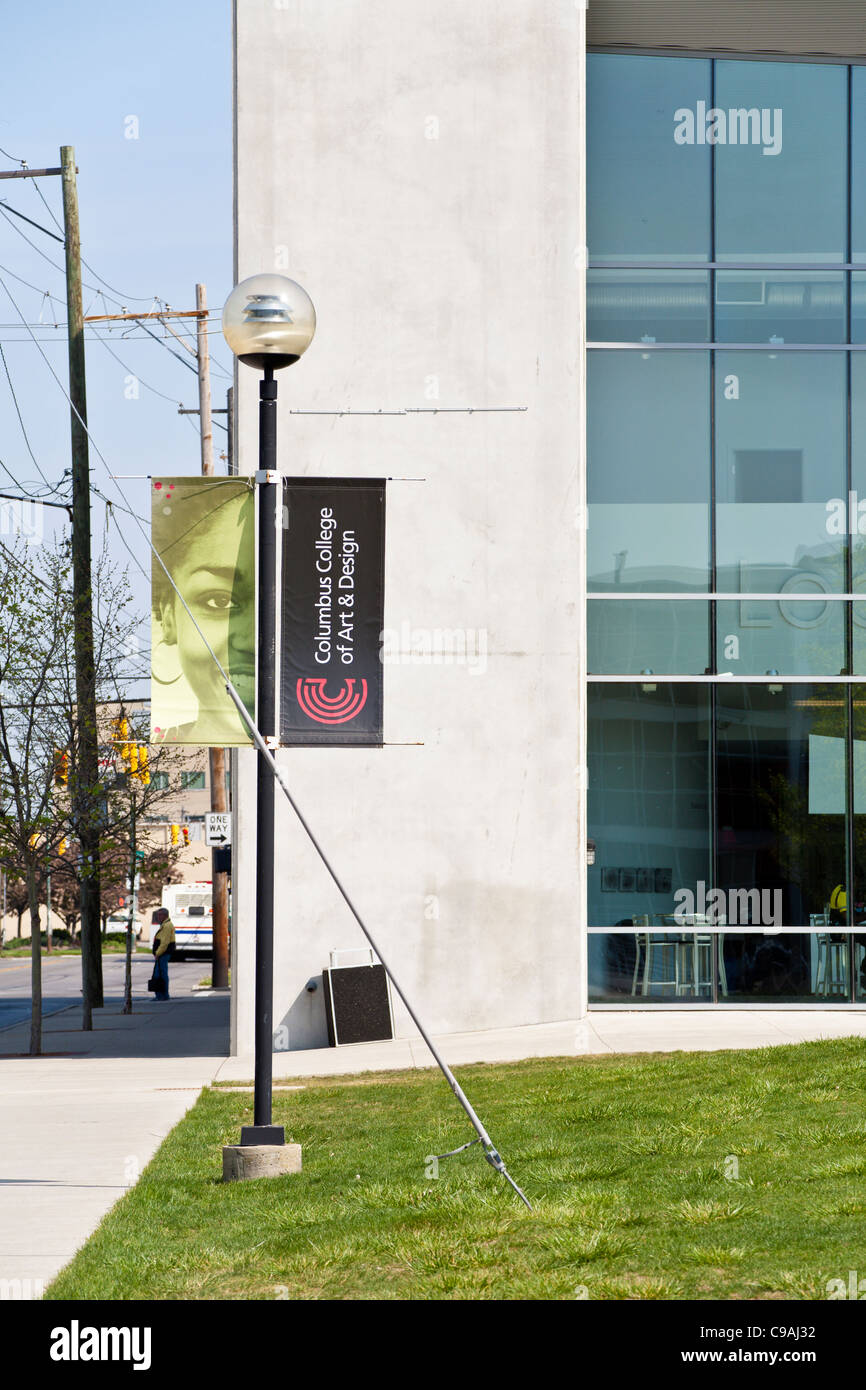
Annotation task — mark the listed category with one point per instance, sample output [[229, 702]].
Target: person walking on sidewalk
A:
[[163, 950]]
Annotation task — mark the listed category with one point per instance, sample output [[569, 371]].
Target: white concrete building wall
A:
[[419, 169]]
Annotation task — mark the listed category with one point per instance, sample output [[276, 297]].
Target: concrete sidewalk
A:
[[648, 1031], [80, 1123]]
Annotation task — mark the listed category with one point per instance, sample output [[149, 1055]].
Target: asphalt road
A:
[[61, 982]]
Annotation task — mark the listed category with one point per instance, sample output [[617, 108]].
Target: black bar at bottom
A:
[[262, 1134]]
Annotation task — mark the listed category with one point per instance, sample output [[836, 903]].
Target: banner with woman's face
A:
[[203, 530]]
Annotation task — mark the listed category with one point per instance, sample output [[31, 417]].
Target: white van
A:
[[190, 907]]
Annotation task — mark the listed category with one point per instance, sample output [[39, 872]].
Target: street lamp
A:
[[268, 322]]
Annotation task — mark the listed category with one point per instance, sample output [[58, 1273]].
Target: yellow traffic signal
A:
[[120, 732], [175, 834], [63, 846], [186, 834], [143, 768], [61, 767]]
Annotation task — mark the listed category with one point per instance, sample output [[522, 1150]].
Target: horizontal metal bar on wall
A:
[[706, 929], [635, 1006], [725, 347], [737, 597], [698, 266], [659, 678]]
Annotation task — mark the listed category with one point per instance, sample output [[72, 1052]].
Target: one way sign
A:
[[218, 828]]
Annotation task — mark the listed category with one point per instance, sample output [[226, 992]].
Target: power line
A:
[[32, 244], [129, 370], [21, 421], [38, 225], [139, 298], [45, 293], [57, 223], [40, 501], [211, 333], [166, 346], [61, 268]]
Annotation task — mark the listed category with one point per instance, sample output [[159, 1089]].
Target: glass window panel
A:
[[780, 470], [780, 777], [781, 169], [858, 306], [858, 906], [652, 306], [645, 636], [649, 798], [858, 629], [791, 968], [648, 197], [771, 306], [648, 470], [858, 162], [649, 966], [789, 637], [849, 514]]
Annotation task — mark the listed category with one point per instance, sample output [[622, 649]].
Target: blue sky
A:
[[156, 217]]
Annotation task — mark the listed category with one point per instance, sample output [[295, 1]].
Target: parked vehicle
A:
[[119, 921]]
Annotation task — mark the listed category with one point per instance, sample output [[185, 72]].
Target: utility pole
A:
[[87, 769], [218, 799], [133, 903]]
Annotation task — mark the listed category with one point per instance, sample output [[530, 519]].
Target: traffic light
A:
[[61, 767], [120, 732], [175, 834], [143, 773], [185, 834], [63, 846]]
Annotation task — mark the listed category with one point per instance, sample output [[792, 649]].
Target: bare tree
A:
[[43, 803], [34, 614]]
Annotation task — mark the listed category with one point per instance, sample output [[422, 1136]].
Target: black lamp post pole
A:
[[262, 1131]]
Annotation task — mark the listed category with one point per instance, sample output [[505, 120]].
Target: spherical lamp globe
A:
[[268, 321]]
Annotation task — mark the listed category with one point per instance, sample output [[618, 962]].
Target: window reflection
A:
[[648, 471], [790, 205], [652, 306], [649, 798], [740, 790], [765, 306], [781, 794], [788, 635], [665, 637], [642, 967], [858, 156], [780, 460], [647, 197]]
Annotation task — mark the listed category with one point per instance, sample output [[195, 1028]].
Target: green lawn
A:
[[109, 948], [628, 1162]]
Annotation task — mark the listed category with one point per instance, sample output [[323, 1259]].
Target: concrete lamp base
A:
[[242, 1162]]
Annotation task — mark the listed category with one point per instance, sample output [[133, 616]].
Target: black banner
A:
[[333, 597]]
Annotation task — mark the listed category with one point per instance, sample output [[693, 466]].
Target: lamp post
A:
[[268, 322]]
